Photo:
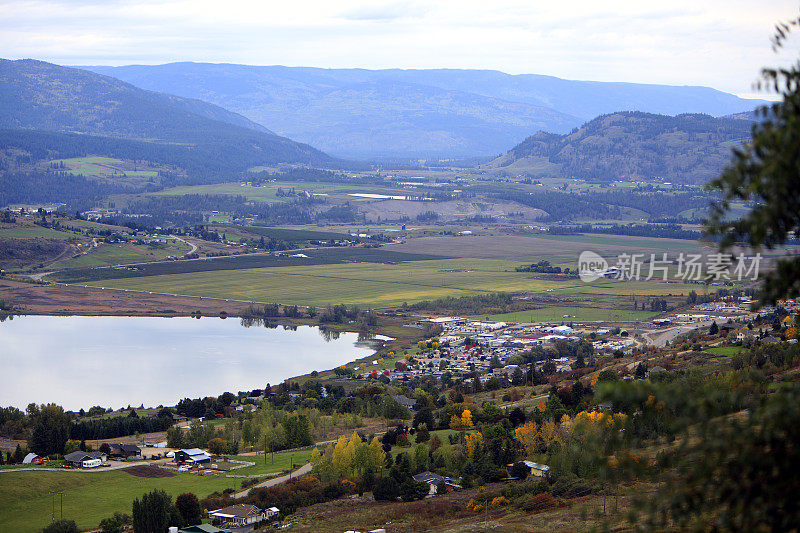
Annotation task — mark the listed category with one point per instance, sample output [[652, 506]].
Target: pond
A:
[[78, 362]]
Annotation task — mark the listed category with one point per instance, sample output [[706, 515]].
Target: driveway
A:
[[303, 470]]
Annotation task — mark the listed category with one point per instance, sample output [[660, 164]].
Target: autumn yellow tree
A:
[[472, 443], [528, 435]]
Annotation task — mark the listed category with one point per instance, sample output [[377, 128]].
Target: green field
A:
[[724, 351], [375, 284], [268, 191], [122, 253], [580, 314], [35, 232], [25, 504], [318, 256], [102, 166]]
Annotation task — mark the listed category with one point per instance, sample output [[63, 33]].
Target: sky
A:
[[716, 43]]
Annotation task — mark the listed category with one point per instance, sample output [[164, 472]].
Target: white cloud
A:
[[718, 43]]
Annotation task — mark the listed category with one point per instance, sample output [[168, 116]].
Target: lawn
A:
[[88, 497], [277, 462], [724, 351], [556, 314], [91, 496]]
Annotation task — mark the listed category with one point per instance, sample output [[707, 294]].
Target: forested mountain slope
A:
[[690, 148]]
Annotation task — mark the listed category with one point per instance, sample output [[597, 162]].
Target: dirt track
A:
[[59, 299]]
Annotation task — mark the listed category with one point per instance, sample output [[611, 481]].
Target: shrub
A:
[[536, 503], [61, 526]]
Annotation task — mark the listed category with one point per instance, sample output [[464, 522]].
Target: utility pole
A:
[[53, 496]]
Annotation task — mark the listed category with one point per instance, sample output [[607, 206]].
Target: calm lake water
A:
[[79, 362]]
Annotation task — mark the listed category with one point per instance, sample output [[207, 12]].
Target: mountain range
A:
[[91, 112], [687, 148], [358, 113]]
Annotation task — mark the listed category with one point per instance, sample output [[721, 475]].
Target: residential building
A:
[[85, 459], [240, 515]]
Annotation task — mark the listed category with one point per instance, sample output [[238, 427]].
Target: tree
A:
[[61, 526], [189, 508], [115, 524], [422, 433], [386, 489], [71, 445], [152, 513], [297, 431], [217, 446], [411, 490], [714, 329], [737, 474], [766, 171], [50, 430]]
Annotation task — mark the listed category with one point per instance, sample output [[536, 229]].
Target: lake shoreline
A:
[[80, 361]]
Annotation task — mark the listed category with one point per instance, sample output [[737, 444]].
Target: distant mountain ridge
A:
[[41, 97], [360, 113], [688, 148]]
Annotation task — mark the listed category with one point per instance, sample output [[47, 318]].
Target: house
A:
[[239, 515], [177, 419], [538, 470], [85, 459], [203, 528], [192, 456], [124, 450], [434, 481], [405, 401]]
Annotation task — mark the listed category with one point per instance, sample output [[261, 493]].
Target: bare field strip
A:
[[555, 248]]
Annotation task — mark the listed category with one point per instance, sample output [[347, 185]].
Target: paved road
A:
[[660, 338], [303, 470]]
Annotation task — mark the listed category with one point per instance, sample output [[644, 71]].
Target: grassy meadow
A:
[[26, 505], [124, 252]]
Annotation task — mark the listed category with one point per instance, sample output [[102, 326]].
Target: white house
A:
[[240, 515]]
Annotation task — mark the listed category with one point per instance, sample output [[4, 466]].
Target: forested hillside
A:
[[50, 112], [35, 95], [633, 145]]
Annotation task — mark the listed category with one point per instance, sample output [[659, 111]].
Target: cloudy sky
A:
[[718, 43]]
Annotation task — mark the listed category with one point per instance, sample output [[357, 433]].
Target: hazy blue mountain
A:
[[689, 148], [414, 113], [40, 96]]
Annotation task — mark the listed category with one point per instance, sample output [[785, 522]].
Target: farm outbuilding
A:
[[194, 455]]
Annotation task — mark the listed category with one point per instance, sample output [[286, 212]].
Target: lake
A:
[[78, 362]]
